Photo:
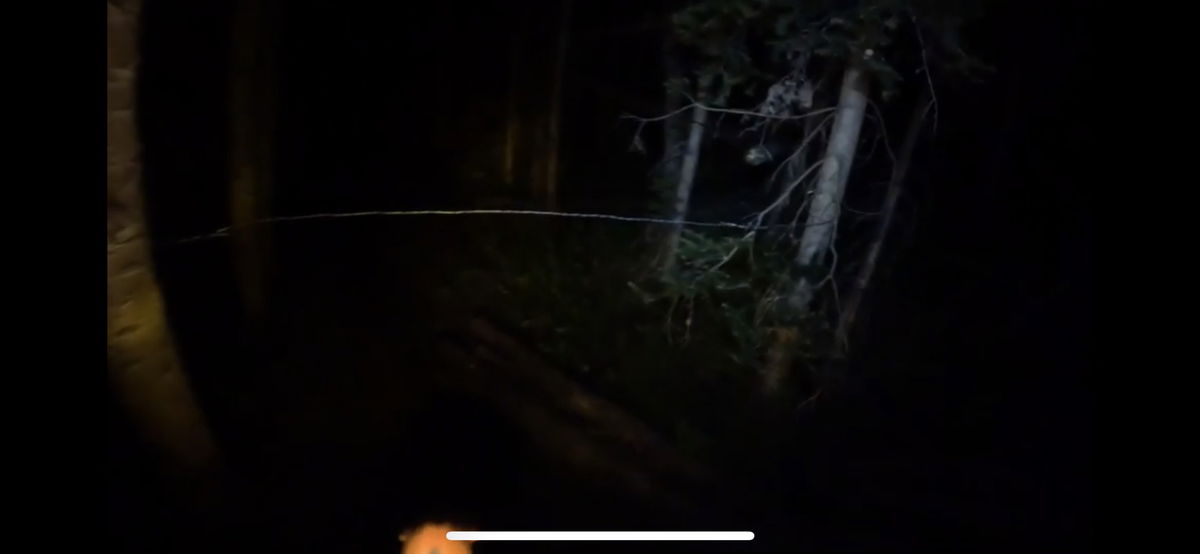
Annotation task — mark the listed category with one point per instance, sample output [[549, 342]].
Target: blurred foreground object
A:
[[430, 538], [143, 368]]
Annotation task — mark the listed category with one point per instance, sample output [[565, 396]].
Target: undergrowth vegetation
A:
[[682, 351]]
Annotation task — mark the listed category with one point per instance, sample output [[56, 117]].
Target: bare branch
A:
[[799, 210], [753, 113], [727, 257], [694, 104], [810, 400], [846, 206], [795, 182], [887, 144], [831, 279], [799, 149], [832, 267], [870, 154], [925, 68], [659, 117], [635, 143]]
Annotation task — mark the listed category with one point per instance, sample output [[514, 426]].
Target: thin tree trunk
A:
[[251, 155], [821, 225], [687, 177], [555, 123], [512, 129], [143, 366], [899, 171]]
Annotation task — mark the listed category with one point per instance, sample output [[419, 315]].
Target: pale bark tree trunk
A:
[[143, 366], [821, 225], [895, 184], [555, 123], [823, 211], [683, 192], [251, 156]]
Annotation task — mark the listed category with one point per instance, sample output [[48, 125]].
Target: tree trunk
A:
[[687, 176], [251, 155], [899, 171], [823, 211], [821, 225], [512, 129], [555, 123], [779, 357], [143, 367]]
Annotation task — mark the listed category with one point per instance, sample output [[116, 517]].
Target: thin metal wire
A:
[[224, 231]]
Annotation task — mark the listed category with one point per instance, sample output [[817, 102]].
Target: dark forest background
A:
[[966, 420]]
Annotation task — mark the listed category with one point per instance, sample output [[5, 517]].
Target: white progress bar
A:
[[600, 535]]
